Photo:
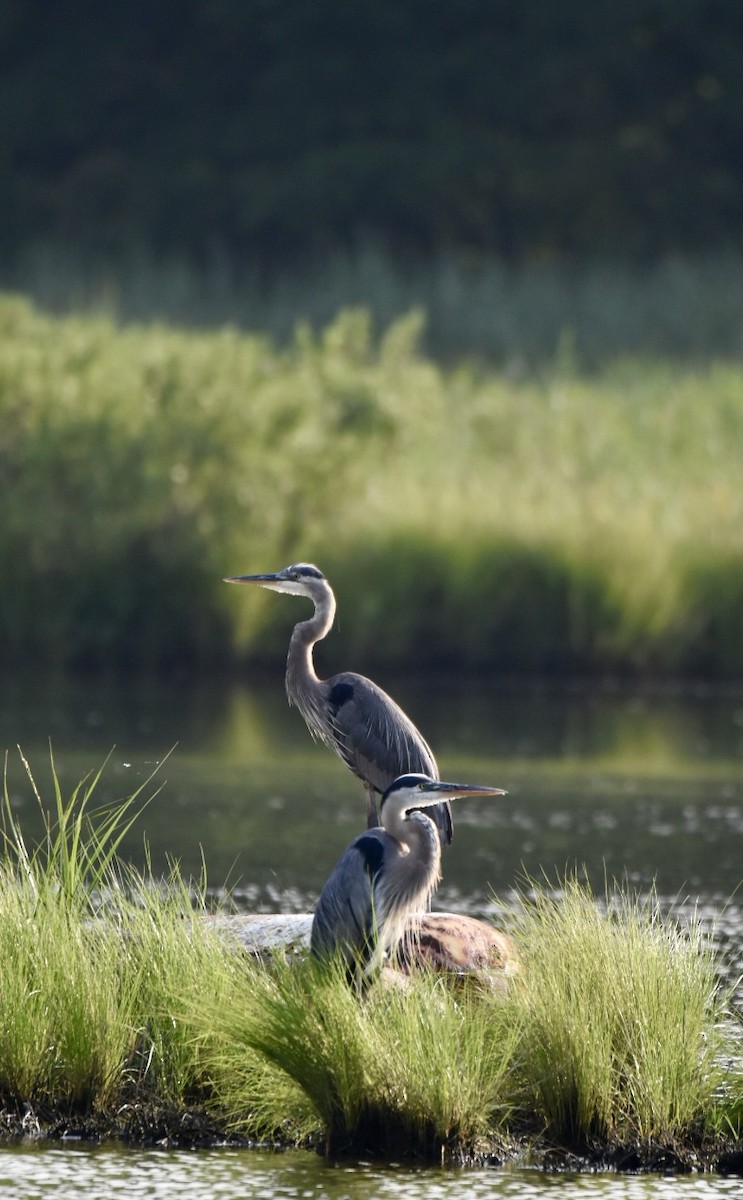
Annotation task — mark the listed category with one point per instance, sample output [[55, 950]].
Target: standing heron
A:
[[385, 877], [349, 713]]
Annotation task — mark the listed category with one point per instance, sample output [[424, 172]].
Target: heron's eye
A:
[[421, 787]]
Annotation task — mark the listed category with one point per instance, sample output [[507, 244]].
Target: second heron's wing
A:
[[345, 922]]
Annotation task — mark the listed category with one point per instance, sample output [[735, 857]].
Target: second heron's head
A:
[[410, 792]]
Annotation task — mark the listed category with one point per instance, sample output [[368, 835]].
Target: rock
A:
[[449, 942], [264, 933], [442, 941]]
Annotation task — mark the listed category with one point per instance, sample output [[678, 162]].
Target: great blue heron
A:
[[348, 712], [385, 877]]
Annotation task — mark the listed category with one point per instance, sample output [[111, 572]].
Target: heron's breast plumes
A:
[[410, 877]]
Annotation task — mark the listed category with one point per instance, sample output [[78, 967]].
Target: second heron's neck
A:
[[299, 663], [415, 875]]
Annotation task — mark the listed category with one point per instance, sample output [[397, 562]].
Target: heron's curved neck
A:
[[417, 833], [299, 662], [412, 876]]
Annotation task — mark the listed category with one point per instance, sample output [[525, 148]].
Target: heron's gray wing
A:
[[344, 915], [374, 736], [378, 741]]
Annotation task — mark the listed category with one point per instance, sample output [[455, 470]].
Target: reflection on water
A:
[[112, 1172], [643, 787]]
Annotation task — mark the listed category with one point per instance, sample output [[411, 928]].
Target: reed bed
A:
[[547, 522]]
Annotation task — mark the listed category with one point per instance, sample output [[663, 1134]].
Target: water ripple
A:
[[30, 1172]]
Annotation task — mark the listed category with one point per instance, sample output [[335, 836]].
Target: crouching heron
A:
[[349, 713], [385, 877]]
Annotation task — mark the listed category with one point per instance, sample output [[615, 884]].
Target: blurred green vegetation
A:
[[557, 522], [685, 306]]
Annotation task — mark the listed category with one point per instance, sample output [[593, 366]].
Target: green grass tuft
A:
[[92, 961], [621, 1013], [415, 1068]]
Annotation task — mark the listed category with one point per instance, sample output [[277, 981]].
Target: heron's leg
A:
[[372, 816]]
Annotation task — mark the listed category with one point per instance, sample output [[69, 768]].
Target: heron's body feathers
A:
[[372, 734], [372, 892]]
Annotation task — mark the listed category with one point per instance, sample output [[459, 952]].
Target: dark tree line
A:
[[276, 127]]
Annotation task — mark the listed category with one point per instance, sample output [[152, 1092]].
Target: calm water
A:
[[643, 787], [647, 787]]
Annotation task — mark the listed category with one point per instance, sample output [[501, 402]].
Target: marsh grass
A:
[[92, 959], [622, 1017], [66, 1009], [78, 851], [122, 1007], [420, 1068], [612, 1038]]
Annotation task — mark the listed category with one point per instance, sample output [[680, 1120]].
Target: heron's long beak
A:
[[436, 790], [266, 580], [276, 581]]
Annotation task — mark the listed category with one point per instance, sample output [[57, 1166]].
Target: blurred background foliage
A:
[[556, 523]]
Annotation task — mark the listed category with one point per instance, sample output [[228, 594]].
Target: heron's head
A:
[[299, 579], [410, 792]]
